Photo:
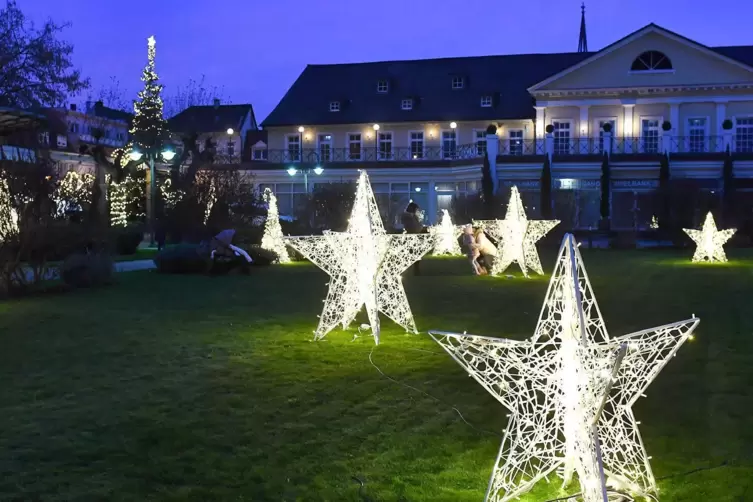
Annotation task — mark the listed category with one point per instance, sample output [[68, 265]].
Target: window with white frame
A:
[[480, 139], [325, 147], [650, 135], [293, 147], [383, 86], [562, 130], [744, 134], [515, 138], [417, 145], [449, 144], [354, 146], [74, 127], [334, 106], [258, 153], [600, 126], [486, 101], [697, 135], [384, 145], [457, 82], [407, 104]]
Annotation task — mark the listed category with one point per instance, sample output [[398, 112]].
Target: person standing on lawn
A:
[[412, 225]]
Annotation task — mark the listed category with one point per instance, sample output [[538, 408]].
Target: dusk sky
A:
[[255, 49]]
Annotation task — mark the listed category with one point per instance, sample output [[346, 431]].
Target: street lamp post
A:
[[318, 170], [301, 129], [376, 141], [136, 156]]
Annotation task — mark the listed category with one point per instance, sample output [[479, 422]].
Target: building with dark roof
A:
[[420, 127], [225, 125]]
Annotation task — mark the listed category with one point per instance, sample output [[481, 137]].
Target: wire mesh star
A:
[[365, 266], [709, 241], [446, 236], [570, 390], [517, 237]]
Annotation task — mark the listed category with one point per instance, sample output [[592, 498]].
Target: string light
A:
[[570, 390], [365, 266], [709, 241], [273, 239], [8, 214], [118, 195], [73, 191], [517, 236], [446, 236]]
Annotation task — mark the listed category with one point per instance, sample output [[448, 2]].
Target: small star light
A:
[[709, 241], [570, 390], [517, 236], [365, 266], [273, 239], [446, 236]]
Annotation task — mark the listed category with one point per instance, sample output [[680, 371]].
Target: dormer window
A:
[[334, 106], [651, 61], [486, 101], [383, 86], [457, 82], [407, 104]]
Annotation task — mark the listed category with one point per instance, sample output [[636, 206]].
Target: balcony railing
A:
[[522, 147], [373, 154]]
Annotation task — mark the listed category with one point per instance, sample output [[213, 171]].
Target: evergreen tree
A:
[[605, 192], [273, 239], [149, 128], [546, 190]]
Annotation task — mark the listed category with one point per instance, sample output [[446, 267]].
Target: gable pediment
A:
[[612, 68]]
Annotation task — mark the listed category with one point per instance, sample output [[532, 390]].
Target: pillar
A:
[[674, 119], [583, 130], [627, 128], [540, 124]]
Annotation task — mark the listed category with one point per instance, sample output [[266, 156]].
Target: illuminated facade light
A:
[[709, 241], [570, 390]]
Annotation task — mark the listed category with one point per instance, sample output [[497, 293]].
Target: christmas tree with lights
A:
[[149, 128], [273, 239]]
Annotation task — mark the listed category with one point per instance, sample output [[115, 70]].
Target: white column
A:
[[583, 130], [674, 119], [721, 114], [627, 129], [540, 124]]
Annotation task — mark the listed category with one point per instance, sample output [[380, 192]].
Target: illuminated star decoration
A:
[[365, 266], [446, 236], [709, 241], [273, 239], [517, 237], [570, 391]]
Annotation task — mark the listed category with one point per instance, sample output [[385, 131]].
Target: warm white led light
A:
[[273, 239], [8, 215], [446, 236], [709, 241], [517, 237], [570, 390], [365, 265]]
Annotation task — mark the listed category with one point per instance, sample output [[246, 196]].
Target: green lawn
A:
[[199, 388]]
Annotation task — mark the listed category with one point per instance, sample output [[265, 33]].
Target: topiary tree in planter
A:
[[487, 189], [607, 127], [727, 124], [492, 129], [549, 129], [666, 125]]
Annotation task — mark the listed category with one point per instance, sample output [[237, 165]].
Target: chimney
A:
[[73, 107], [216, 102], [98, 105]]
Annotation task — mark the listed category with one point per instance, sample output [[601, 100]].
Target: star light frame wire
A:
[[365, 266], [570, 390], [446, 236], [273, 239], [709, 241], [517, 237]]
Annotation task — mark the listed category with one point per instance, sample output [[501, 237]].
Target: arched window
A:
[[651, 61]]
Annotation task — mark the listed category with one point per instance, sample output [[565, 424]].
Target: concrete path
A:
[[120, 266]]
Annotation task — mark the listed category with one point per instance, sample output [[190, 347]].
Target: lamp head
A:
[[135, 155], [301, 129], [376, 127], [453, 125], [168, 154], [318, 170], [230, 131], [292, 171]]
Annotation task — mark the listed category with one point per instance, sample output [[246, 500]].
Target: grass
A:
[[197, 388]]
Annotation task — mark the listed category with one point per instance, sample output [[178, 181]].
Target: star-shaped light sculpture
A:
[[517, 237], [570, 390], [365, 266], [709, 241], [446, 236], [273, 239]]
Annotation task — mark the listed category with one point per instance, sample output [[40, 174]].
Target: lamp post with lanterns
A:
[[376, 141], [167, 155]]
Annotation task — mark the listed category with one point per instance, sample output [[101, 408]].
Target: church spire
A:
[[583, 41]]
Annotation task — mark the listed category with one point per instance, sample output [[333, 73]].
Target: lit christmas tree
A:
[[273, 239], [149, 128], [8, 215], [118, 193], [446, 236]]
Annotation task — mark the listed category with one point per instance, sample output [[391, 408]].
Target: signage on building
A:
[[522, 184], [576, 184], [635, 184]]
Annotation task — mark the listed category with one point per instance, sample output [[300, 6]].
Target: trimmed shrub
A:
[[492, 129], [125, 241], [262, 257], [727, 124], [182, 259], [607, 127], [87, 270], [666, 125], [549, 129]]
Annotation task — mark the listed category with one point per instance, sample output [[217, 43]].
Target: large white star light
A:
[[517, 237], [273, 239], [709, 241], [365, 266], [570, 390], [446, 236]]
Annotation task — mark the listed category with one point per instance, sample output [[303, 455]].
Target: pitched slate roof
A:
[[427, 82], [112, 113], [210, 118]]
